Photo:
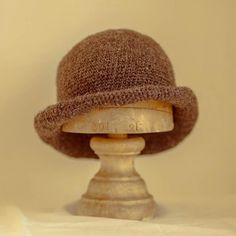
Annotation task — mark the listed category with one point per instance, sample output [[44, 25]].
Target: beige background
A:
[[199, 37]]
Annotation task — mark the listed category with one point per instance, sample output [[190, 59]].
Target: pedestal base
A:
[[117, 190], [132, 210]]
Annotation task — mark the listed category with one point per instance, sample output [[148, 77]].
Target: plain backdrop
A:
[[198, 36]]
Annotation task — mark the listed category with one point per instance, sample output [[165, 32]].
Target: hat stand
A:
[[117, 190]]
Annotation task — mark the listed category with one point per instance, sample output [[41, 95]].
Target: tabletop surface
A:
[[200, 217]]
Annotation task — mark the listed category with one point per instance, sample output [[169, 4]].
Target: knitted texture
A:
[[115, 67]]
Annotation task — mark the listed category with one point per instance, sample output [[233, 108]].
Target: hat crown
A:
[[113, 60]]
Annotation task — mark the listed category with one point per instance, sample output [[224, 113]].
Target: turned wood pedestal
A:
[[117, 190]]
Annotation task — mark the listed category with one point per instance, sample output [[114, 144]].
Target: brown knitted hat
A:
[[115, 67]]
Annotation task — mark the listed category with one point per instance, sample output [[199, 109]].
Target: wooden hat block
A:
[[117, 190]]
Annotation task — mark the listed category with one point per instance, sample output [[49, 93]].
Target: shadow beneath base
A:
[[161, 211], [71, 208]]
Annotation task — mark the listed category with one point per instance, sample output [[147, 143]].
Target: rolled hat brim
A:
[[48, 122]]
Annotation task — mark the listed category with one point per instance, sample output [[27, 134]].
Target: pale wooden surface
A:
[[189, 216]]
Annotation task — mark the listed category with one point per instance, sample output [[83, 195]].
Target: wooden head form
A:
[[141, 117], [117, 190]]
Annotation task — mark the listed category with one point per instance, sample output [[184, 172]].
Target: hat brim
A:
[[48, 123]]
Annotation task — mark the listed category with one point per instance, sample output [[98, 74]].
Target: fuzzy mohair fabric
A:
[[115, 67]]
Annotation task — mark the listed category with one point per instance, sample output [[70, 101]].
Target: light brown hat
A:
[[115, 67]]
